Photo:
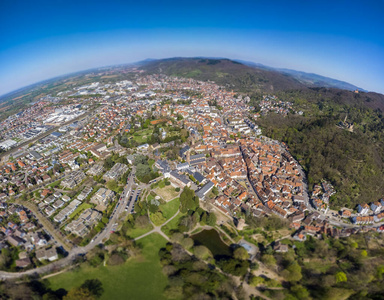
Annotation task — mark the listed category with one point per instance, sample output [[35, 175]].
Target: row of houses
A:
[[84, 222]]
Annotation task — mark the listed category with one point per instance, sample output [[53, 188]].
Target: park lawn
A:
[[173, 225], [138, 278], [141, 136], [79, 209], [170, 208], [167, 192], [136, 232]]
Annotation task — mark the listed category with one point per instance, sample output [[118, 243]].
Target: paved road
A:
[[75, 252], [119, 208]]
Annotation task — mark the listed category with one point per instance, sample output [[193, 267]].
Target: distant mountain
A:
[[226, 72], [252, 78], [315, 80], [308, 79], [240, 76]]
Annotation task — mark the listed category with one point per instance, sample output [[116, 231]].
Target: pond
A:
[[211, 239]]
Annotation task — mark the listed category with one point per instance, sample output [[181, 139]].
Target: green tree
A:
[[188, 200], [112, 185], [173, 292], [234, 266], [187, 243], [79, 294], [300, 292], [142, 170], [140, 159], [202, 252], [240, 253], [293, 272], [108, 163], [94, 286], [211, 219], [256, 280], [142, 222], [341, 277], [380, 272], [269, 260]]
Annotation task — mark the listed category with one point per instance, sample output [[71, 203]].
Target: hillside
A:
[[352, 162], [308, 79], [256, 79], [229, 73], [314, 80], [315, 95]]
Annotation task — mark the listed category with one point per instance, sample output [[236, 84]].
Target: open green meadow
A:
[[139, 278], [141, 136], [172, 225], [170, 208], [136, 232]]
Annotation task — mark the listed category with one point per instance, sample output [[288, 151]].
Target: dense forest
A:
[[351, 161]]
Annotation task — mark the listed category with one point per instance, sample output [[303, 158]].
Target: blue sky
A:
[[340, 39]]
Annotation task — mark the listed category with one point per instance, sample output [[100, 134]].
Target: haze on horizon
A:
[[44, 39]]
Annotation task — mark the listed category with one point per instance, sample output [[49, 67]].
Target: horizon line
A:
[[174, 57]]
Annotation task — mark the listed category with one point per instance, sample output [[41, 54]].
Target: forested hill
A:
[[352, 161], [229, 73], [256, 80]]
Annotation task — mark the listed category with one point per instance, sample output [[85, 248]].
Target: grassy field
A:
[[170, 208], [138, 278], [167, 192], [142, 135], [172, 225], [136, 232]]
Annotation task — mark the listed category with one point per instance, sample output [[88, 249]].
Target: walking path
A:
[[157, 229]]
